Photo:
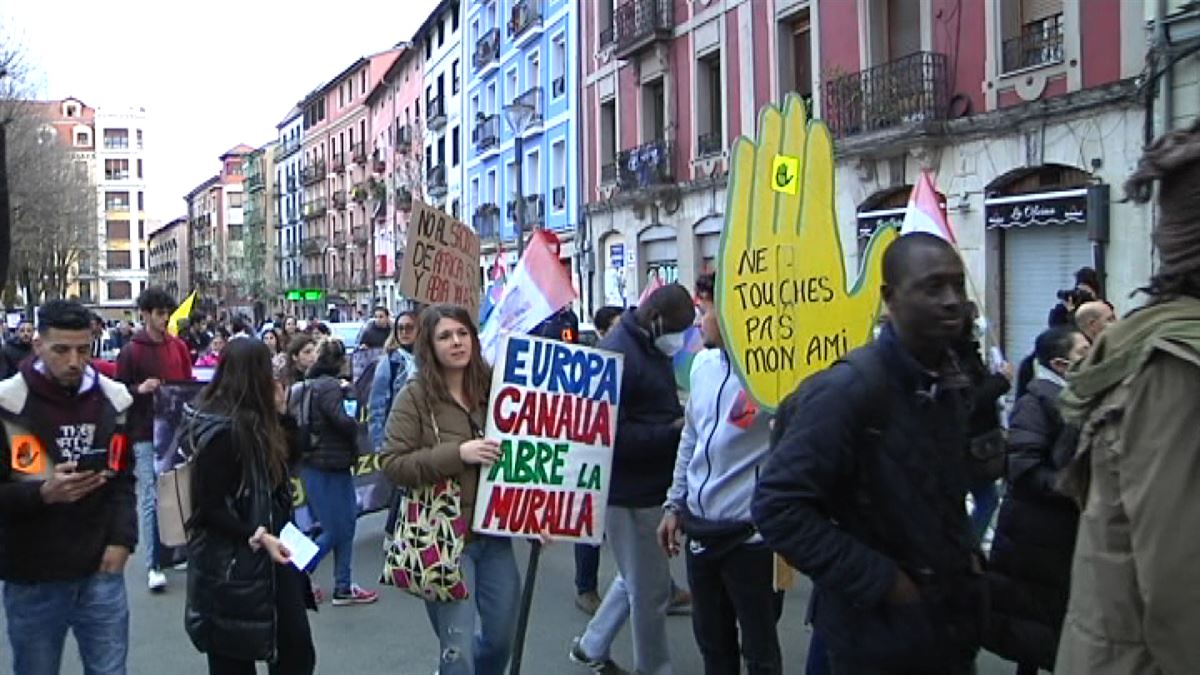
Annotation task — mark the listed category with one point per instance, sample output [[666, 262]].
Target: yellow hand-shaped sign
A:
[[787, 309]]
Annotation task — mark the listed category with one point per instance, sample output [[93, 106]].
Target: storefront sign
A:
[[554, 412], [1064, 207]]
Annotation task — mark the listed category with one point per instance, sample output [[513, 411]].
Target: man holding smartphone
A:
[[67, 519]]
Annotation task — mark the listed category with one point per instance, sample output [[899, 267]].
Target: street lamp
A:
[[518, 116]]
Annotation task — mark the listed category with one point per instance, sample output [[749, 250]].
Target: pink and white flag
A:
[[538, 287], [924, 212]]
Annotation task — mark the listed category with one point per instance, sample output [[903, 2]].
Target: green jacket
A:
[[1135, 579]]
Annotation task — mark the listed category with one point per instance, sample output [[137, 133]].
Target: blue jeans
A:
[[147, 496], [331, 494], [495, 586], [95, 608], [986, 497], [587, 568]]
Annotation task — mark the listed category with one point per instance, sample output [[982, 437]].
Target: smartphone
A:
[[350, 406]]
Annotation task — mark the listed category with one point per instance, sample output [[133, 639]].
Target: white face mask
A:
[[980, 327], [669, 343]]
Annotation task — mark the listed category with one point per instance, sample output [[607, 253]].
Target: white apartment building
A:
[[440, 39], [121, 233], [288, 191]]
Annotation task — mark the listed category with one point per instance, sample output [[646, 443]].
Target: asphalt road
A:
[[393, 637]]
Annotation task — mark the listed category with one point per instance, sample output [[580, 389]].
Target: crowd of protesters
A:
[[1071, 553]]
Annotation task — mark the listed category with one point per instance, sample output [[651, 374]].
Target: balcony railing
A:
[[436, 109], [358, 153], [437, 181], [403, 198], [1040, 43], [908, 90], [608, 173], [645, 166], [709, 144], [362, 278], [487, 221], [339, 238], [404, 139], [314, 281], [535, 210], [558, 86], [639, 23], [338, 162], [487, 49], [558, 197], [313, 173], [526, 14], [314, 209], [254, 182], [339, 201], [487, 132], [285, 149], [532, 98], [313, 245], [361, 235]]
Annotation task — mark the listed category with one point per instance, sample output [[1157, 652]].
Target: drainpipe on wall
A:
[[1163, 46]]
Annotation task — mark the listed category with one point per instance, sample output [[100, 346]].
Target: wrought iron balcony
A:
[[486, 132], [532, 98], [709, 144], [638, 24], [1040, 43], [908, 90], [314, 209], [314, 281], [487, 49], [404, 139], [558, 196], [436, 109], [526, 15], [339, 201], [254, 182], [339, 238], [313, 245], [313, 173], [558, 86], [361, 235], [437, 181], [358, 153], [645, 166], [403, 198], [337, 162], [535, 210], [286, 149], [608, 173], [487, 221]]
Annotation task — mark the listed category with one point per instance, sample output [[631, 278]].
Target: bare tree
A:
[[51, 210]]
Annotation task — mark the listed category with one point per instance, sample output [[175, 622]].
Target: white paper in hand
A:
[[302, 548]]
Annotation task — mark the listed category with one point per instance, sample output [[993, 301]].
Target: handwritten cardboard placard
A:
[[441, 260], [787, 309], [554, 412]]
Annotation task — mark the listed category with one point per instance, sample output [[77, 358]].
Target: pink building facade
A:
[[1015, 106]]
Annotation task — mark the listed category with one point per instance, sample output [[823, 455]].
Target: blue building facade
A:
[[525, 52]]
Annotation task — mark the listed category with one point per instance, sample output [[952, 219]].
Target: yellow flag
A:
[[182, 312]]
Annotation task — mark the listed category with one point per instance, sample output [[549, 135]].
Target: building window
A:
[[142, 259], [141, 230], [235, 233], [85, 291], [454, 138], [139, 166], [116, 139], [141, 201], [454, 208], [139, 139], [116, 169], [558, 66], [235, 199], [604, 19], [429, 48], [362, 81], [118, 260], [71, 109], [117, 229], [83, 138], [558, 163], [709, 105], [441, 28], [454, 77], [453, 17], [608, 140], [654, 114], [1032, 33], [533, 172], [795, 56], [120, 290], [116, 201]]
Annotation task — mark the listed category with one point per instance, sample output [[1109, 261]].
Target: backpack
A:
[[300, 408]]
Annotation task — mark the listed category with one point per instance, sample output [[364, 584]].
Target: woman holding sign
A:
[[245, 600], [434, 438]]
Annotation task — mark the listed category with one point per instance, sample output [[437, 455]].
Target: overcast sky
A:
[[209, 74]]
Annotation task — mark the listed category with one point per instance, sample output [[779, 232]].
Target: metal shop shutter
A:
[[1038, 261]]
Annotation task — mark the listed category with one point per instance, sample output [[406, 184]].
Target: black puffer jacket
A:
[[1030, 572], [231, 589], [335, 433]]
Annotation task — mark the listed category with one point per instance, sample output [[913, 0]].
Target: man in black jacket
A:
[[67, 520], [649, 422], [17, 349], [864, 490]]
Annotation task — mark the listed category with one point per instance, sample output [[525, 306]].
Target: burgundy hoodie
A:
[[142, 359]]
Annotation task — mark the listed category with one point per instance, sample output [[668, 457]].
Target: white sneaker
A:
[[156, 581]]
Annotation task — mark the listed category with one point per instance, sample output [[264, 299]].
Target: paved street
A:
[[393, 636]]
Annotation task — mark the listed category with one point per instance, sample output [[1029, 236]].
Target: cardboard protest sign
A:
[[441, 260], [786, 307], [554, 412]]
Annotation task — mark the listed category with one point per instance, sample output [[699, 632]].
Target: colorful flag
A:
[[655, 284], [925, 212], [495, 288], [182, 312], [538, 287]]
